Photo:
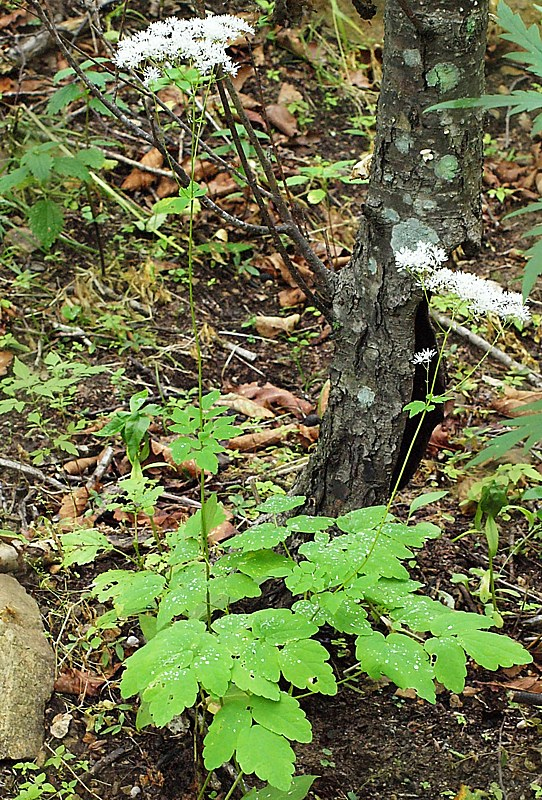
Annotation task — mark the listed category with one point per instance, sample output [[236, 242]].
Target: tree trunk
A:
[[424, 186]]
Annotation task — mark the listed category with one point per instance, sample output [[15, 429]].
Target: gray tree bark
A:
[[424, 186]]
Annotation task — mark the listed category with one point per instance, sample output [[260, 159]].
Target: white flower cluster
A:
[[423, 356], [483, 297], [202, 42], [424, 259]]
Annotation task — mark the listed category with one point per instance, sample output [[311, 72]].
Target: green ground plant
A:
[[36, 393], [43, 170]]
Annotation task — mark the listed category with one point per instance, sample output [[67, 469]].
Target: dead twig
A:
[[33, 472], [534, 378]]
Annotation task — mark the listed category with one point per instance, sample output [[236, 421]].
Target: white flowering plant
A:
[[243, 671]]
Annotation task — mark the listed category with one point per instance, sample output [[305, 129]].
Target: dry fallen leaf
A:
[[249, 408], [291, 297], [243, 74], [532, 684], [5, 360], [272, 397], [282, 119], [76, 681], [222, 185], [72, 505], [163, 451], [323, 400], [271, 327], [514, 400], [166, 188], [137, 179], [79, 465], [60, 725], [288, 94], [223, 531], [257, 441], [20, 14], [308, 435]]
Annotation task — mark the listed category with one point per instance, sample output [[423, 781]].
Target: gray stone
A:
[[9, 558], [26, 672]]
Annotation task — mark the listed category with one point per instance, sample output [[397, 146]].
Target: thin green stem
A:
[[234, 785], [205, 784]]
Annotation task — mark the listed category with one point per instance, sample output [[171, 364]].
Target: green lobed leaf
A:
[[168, 695], [493, 650], [39, 162], [305, 524], [279, 504], [258, 565], [424, 614], [82, 546], [14, 179], [46, 220], [450, 664], [168, 651], [186, 595], [398, 657], [284, 716], [212, 666], [280, 625], [250, 679], [264, 536], [221, 740], [130, 592], [298, 791], [305, 665], [92, 157], [228, 589], [361, 519], [266, 754], [71, 167], [62, 98]]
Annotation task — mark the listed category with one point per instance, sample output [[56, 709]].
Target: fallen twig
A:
[[527, 698], [33, 472], [101, 468], [534, 378]]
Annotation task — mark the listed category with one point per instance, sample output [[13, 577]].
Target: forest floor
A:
[[129, 315]]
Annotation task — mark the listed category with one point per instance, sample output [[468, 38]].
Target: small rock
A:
[[9, 558], [26, 672]]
